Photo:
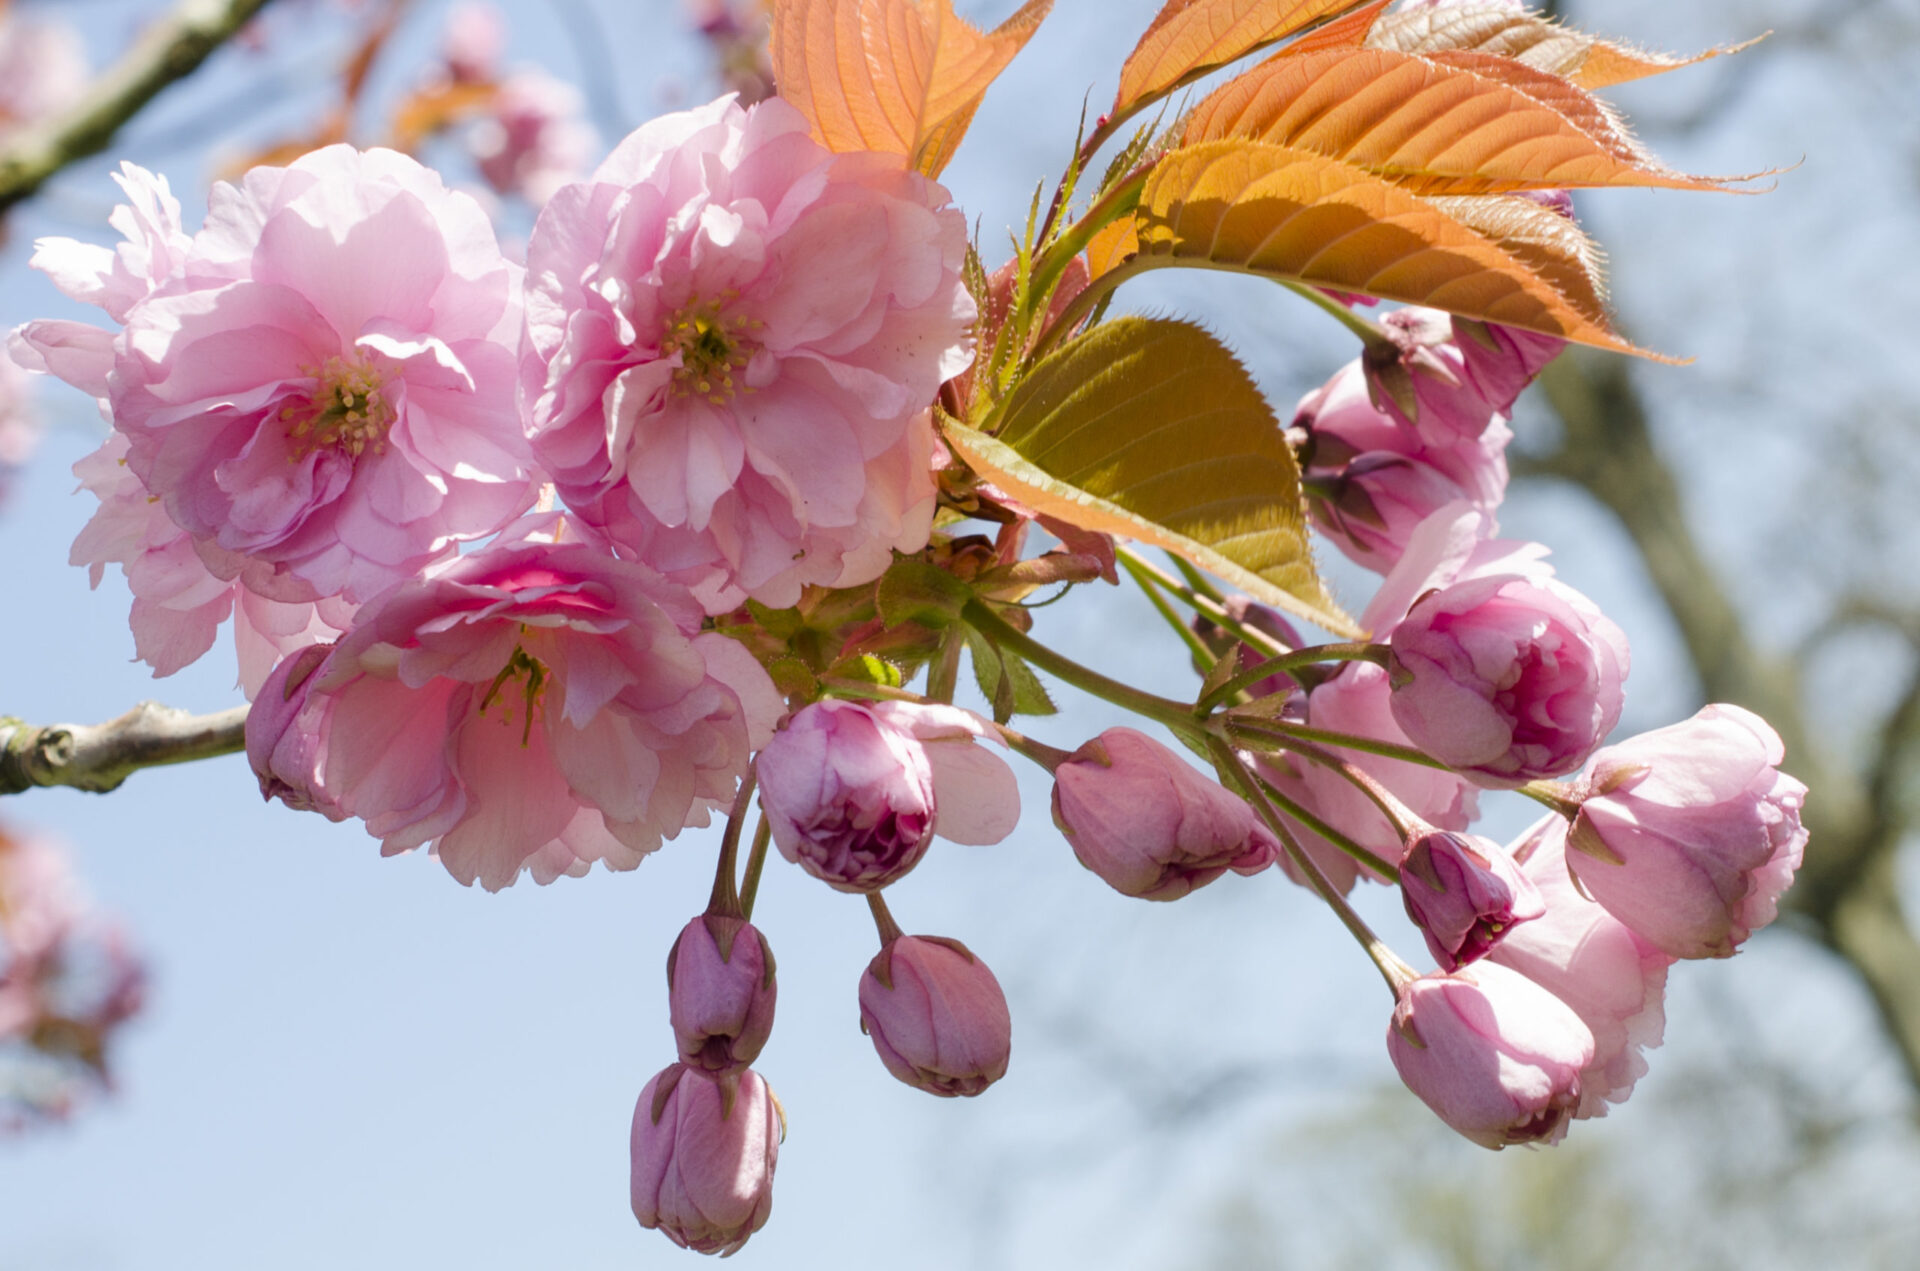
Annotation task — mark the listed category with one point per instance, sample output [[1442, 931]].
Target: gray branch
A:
[[170, 50], [98, 757]]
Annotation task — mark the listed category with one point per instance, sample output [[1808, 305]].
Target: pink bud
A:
[[703, 1157], [855, 791], [936, 1015], [1611, 977], [286, 756], [1507, 678], [720, 993], [1495, 1056], [1464, 893], [1688, 834], [1379, 479], [1149, 823]]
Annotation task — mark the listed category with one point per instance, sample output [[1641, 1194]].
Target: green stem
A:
[[944, 674], [1077, 308], [725, 901], [1212, 609], [1555, 795], [883, 920], [1048, 757], [1378, 864], [1344, 741], [1395, 971], [1355, 651], [1194, 643], [1198, 580], [1175, 715], [756, 861], [1372, 336], [1053, 261]]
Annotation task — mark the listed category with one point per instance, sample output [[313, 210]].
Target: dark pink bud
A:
[[1507, 678], [703, 1157], [285, 752], [1690, 833], [936, 1015], [1464, 893], [720, 993], [855, 791], [1151, 824], [1495, 1056]]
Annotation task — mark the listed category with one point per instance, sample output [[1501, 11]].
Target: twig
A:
[[98, 757], [170, 50]]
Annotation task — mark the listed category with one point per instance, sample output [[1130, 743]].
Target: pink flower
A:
[[471, 43], [325, 387], [1149, 823], [533, 705], [534, 137], [1356, 702], [1465, 894], [281, 753], [1612, 978], [19, 421], [936, 1015], [703, 1157], [720, 993], [855, 791], [1690, 833], [1494, 1055], [1506, 678], [1378, 479], [1462, 374], [733, 338]]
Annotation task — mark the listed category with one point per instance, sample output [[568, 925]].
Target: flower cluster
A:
[[537, 567]]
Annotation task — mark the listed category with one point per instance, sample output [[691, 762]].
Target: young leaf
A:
[[898, 76], [1434, 126], [1541, 239], [1499, 29], [1189, 38], [1151, 429], [1306, 218], [1349, 31]]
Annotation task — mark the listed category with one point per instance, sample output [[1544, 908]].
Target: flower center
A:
[[712, 348], [346, 411], [537, 676]]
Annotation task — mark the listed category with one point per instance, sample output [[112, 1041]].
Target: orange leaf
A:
[[1348, 32], [1112, 246], [1189, 38], [897, 76], [435, 108], [1434, 127], [1305, 218], [1541, 239], [1498, 29]]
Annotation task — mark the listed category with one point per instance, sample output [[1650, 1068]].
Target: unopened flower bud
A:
[[703, 1157], [284, 755], [855, 791], [1507, 678], [720, 993], [936, 1015], [1464, 893], [1149, 823], [1494, 1055], [1688, 834]]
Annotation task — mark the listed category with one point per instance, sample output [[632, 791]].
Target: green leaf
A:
[[1007, 681], [868, 669], [915, 591], [1150, 429]]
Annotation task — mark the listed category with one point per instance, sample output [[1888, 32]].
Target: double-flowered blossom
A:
[[1688, 834], [855, 791], [1495, 1056], [1151, 824], [321, 392], [1609, 975], [936, 1015], [703, 1154], [532, 705], [178, 602], [720, 993], [1507, 678], [733, 339], [1465, 894]]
